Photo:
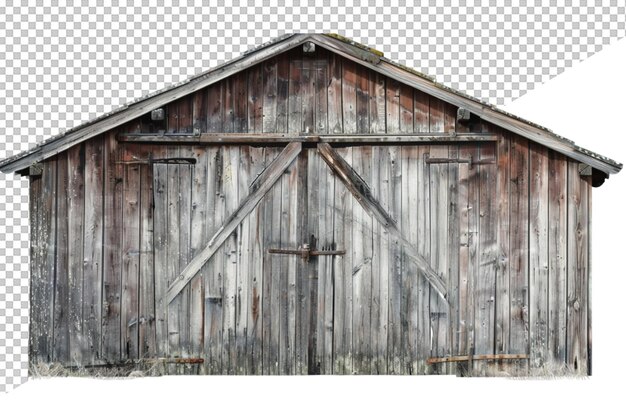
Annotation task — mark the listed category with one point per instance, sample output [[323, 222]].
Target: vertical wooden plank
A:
[[305, 283], [589, 292], [395, 352], [147, 315], [130, 262], [35, 329], [61, 340], [557, 258], [172, 252], [348, 95], [254, 343], [214, 286], [283, 85], [228, 117], [112, 266], [421, 112], [321, 94], [308, 94], [185, 114], [231, 201], [377, 112], [200, 110], [406, 109], [270, 96], [518, 243], [215, 115], [343, 276], [276, 279], [185, 180], [314, 320], [255, 99], [484, 326], [421, 123], [198, 239], [171, 112], [244, 244], [160, 190], [322, 190], [361, 243], [75, 219], [439, 248], [362, 100], [538, 245], [295, 119], [335, 108], [502, 307], [48, 260], [93, 249], [240, 102], [577, 271], [380, 262]]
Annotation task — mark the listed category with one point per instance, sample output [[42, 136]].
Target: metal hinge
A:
[[306, 252]]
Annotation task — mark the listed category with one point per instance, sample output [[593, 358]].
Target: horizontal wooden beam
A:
[[264, 183], [467, 358], [277, 138], [362, 192]]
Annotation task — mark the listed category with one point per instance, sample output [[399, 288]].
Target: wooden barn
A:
[[312, 208]]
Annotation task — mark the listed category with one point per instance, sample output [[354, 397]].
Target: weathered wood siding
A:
[[110, 231]]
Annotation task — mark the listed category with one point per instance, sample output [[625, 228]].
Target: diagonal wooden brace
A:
[[259, 188], [361, 191]]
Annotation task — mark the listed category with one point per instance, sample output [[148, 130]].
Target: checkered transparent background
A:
[[63, 65]]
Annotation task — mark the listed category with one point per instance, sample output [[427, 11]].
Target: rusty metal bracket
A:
[[469, 358], [469, 161], [306, 252]]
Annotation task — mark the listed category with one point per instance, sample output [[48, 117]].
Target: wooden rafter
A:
[[260, 187], [361, 191]]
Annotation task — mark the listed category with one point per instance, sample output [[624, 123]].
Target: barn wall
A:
[[511, 239]]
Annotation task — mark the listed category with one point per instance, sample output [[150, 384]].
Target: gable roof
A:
[[347, 48]]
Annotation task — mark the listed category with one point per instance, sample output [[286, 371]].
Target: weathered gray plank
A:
[[335, 112], [438, 246], [304, 297], [215, 115], [518, 281], [486, 284], [342, 345], [185, 180], [230, 180], [361, 243], [395, 347], [307, 94], [502, 303], [76, 219], [37, 306], [113, 189], [172, 252], [61, 347], [577, 290], [321, 82], [270, 102], [322, 191], [93, 248], [557, 257], [214, 283], [380, 262], [244, 246], [538, 245], [254, 342], [160, 190], [129, 306], [282, 96], [256, 95], [147, 343], [294, 103], [348, 96]]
